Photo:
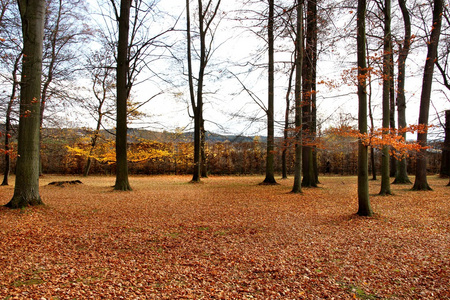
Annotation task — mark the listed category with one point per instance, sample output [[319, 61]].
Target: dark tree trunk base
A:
[[124, 186], [421, 187], [269, 181], [196, 181], [296, 191], [385, 193], [402, 181], [308, 183], [196, 178], [21, 202], [364, 213]]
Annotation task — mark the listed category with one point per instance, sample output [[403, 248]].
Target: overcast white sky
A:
[[169, 112]]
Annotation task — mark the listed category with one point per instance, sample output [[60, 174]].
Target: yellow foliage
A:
[[106, 152]]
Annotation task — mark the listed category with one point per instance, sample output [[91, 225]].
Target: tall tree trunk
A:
[[372, 149], [297, 186], [7, 158], [421, 182], [401, 176], [314, 91], [205, 18], [122, 182], [385, 178], [286, 124], [445, 161], [198, 113], [364, 208], [372, 126], [270, 173], [308, 168], [196, 168], [393, 159], [26, 190]]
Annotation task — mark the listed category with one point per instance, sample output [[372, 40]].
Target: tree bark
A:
[[364, 208], [401, 176], [445, 161], [421, 182], [385, 175], [308, 58], [26, 190], [205, 18], [7, 158], [122, 182], [314, 91], [286, 125], [270, 173], [393, 159], [297, 186]]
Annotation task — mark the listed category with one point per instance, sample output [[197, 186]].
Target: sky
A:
[[228, 109]]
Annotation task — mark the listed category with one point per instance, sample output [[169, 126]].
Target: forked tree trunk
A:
[[122, 182], [205, 18], [26, 190], [364, 208], [421, 182]]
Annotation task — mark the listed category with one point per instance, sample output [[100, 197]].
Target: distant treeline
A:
[[169, 153]]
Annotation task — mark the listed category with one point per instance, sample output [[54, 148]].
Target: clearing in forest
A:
[[228, 238]]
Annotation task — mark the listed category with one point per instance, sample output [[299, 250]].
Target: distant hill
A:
[[165, 136]]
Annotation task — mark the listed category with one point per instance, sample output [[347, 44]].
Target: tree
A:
[[308, 78], [364, 208], [287, 113], [26, 190], [297, 186], [64, 33], [10, 56], [101, 70], [387, 51], [8, 127], [270, 173], [206, 15], [421, 182], [122, 93], [445, 158], [401, 176]]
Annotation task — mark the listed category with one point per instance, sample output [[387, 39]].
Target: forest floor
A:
[[228, 238]]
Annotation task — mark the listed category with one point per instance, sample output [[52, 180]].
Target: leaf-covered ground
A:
[[228, 238]]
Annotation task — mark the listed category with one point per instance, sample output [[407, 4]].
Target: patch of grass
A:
[[32, 281], [359, 293], [203, 228]]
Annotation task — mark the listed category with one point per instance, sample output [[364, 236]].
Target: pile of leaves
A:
[[228, 238]]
